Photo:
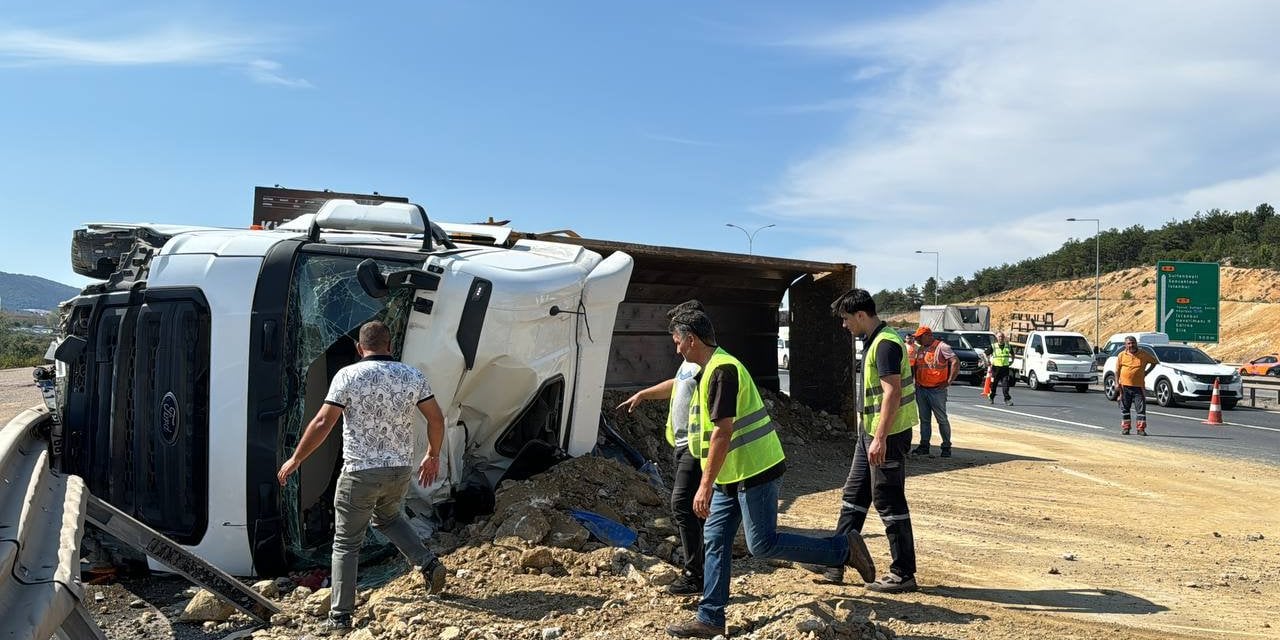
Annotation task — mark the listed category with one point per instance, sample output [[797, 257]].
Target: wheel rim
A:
[[1109, 385], [1035, 380], [1163, 393]]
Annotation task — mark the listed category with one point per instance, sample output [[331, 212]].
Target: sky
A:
[[863, 132]]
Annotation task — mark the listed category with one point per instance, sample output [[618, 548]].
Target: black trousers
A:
[[999, 375], [885, 486], [684, 488]]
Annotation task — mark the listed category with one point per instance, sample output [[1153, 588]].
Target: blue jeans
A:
[[933, 402], [757, 508]]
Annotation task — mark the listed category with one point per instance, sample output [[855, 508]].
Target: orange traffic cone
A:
[[986, 386], [1215, 407]]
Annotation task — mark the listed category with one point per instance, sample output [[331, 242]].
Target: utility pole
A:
[[1097, 277], [937, 264]]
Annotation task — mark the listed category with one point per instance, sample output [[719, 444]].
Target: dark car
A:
[[973, 367]]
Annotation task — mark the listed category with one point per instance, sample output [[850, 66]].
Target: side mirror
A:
[[370, 278]]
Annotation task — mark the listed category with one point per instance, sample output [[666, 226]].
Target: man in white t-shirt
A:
[[377, 398], [688, 474]]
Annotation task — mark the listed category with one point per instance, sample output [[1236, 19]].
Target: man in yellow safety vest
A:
[[731, 432]]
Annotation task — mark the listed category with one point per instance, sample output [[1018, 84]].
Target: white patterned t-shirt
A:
[[379, 398]]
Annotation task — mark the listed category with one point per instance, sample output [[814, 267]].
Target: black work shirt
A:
[[722, 402]]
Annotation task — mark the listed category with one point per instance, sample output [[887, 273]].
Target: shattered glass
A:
[[327, 306]]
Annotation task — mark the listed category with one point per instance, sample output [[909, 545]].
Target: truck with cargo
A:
[[954, 317], [186, 376], [1045, 354]]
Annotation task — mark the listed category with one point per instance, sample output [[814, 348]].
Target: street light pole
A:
[[751, 237], [1097, 274], [937, 264]]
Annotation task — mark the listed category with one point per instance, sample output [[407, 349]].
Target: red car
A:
[[1268, 365]]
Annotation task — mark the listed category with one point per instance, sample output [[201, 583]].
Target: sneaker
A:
[[946, 452], [860, 557], [336, 623], [893, 583], [1008, 402], [832, 575], [1142, 431], [694, 628], [433, 575], [991, 399], [922, 450], [685, 585], [1124, 428]]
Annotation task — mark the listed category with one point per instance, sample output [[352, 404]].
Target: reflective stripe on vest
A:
[[929, 371], [873, 394], [1001, 356], [754, 446]]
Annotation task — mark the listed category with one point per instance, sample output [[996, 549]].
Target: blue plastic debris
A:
[[608, 531]]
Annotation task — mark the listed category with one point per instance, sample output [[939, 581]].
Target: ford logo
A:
[[169, 419]]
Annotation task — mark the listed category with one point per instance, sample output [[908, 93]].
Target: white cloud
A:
[[990, 122], [268, 72], [169, 45]]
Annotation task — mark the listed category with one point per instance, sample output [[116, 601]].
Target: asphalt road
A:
[[1248, 433]]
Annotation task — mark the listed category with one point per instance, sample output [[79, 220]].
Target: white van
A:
[[1056, 357]]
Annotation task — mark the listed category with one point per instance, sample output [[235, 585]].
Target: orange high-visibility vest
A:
[[929, 371]]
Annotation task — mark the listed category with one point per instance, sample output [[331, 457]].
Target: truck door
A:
[[1035, 356]]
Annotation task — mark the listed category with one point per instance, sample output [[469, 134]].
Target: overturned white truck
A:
[[186, 377]]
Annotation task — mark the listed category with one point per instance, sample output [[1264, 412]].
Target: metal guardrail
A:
[[1267, 384], [41, 525], [42, 522]]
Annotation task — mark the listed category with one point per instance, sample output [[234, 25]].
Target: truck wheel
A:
[[1164, 394], [1033, 381], [1109, 387], [1082, 388]]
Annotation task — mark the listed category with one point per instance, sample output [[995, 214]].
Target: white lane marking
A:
[[1195, 419], [1032, 415]]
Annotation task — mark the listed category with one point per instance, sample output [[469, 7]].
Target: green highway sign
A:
[[1187, 300]]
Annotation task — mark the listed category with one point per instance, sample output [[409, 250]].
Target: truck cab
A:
[[187, 375]]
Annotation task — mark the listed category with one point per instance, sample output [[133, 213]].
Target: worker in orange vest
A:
[[934, 366]]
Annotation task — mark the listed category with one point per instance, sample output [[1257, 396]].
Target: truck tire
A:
[[1033, 381], [1228, 405], [1164, 393], [1109, 388]]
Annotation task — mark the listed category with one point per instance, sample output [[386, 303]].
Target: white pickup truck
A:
[[1051, 358]]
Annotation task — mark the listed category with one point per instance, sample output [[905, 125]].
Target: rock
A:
[[665, 550], [1192, 585], [719, 638], [1217, 535], [266, 588], [282, 620], [205, 606], [811, 623], [98, 596], [317, 604], [528, 525], [635, 575], [537, 558], [1069, 556], [209, 626], [566, 533], [137, 603], [1053, 571], [362, 633], [662, 525], [451, 633], [662, 574], [844, 612], [463, 574], [301, 593], [551, 633], [1255, 537]]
